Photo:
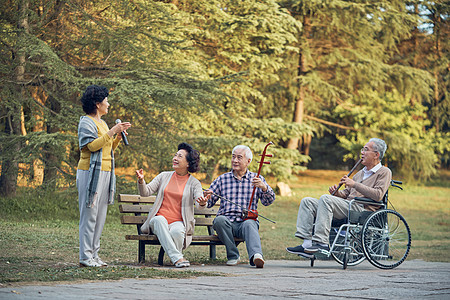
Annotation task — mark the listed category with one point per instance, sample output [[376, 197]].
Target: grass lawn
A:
[[39, 232]]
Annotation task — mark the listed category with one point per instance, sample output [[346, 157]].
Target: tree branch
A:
[[330, 123]]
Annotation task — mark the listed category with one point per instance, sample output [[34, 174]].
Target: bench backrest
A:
[[136, 209]]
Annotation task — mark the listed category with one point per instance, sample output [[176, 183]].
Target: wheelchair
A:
[[382, 237]]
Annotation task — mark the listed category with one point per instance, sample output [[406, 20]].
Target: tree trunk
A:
[[215, 172], [436, 101], [298, 116], [437, 30], [52, 163], [38, 164], [306, 143], [10, 166], [297, 142]]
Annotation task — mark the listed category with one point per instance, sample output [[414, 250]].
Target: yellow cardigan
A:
[[105, 142]]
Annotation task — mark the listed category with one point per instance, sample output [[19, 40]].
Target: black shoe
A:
[[299, 250], [316, 247]]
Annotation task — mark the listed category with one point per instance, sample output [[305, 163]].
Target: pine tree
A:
[[219, 73], [245, 42], [132, 48], [13, 109], [348, 63], [428, 50]]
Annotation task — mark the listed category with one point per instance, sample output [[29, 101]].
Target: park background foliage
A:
[[317, 78]]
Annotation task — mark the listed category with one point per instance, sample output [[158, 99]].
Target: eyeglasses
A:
[[238, 157], [365, 149]]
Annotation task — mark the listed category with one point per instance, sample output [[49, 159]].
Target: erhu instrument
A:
[[228, 200], [249, 213], [348, 175]]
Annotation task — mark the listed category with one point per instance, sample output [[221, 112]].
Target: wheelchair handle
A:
[[395, 182]]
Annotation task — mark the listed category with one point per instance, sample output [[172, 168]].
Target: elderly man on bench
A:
[[237, 185]]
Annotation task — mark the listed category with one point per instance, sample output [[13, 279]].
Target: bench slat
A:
[[133, 220], [130, 208], [204, 221], [134, 237], [139, 220], [195, 238], [136, 199]]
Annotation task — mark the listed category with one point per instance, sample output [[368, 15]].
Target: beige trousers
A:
[[318, 214]]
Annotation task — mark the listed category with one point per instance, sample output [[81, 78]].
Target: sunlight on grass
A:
[[38, 245]]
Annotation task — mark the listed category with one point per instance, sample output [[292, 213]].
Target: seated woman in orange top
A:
[[171, 218]]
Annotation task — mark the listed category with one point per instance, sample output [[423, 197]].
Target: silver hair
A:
[[379, 146], [248, 153]]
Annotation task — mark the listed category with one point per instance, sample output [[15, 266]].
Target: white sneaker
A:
[[233, 262], [258, 260], [182, 264], [89, 263], [100, 262]]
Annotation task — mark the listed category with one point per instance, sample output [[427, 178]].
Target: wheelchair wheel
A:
[[386, 239], [340, 254]]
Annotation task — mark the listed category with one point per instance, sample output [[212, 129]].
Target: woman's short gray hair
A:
[[248, 153], [379, 146]]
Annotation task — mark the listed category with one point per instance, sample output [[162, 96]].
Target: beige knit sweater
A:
[[192, 191], [373, 187]]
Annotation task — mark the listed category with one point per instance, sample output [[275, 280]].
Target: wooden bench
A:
[[134, 210]]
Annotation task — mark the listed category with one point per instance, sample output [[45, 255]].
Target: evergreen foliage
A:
[[350, 65], [221, 73]]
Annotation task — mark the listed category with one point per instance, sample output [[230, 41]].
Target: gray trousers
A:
[[318, 214], [247, 230], [92, 219]]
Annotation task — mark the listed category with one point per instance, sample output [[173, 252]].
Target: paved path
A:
[[414, 279]]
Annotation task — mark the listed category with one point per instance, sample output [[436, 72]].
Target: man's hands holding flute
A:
[[344, 180]]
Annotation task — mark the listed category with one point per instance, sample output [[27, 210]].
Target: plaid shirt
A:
[[238, 191]]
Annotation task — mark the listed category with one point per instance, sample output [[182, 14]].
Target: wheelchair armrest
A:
[[367, 201]]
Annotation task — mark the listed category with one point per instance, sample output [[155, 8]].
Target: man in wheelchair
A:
[[315, 215]]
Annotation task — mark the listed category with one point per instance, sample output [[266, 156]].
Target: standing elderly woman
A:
[[171, 218], [95, 173]]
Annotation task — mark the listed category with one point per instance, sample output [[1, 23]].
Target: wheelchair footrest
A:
[[323, 256], [324, 252]]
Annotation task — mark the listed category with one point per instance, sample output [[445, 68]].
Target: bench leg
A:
[[161, 256], [141, 252], [212, 252]]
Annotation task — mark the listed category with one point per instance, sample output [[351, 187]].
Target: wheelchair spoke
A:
[[386, 239], [353, 248]]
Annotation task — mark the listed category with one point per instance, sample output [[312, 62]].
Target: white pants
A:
[[170, 236], [92, 219], [318, 214]]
